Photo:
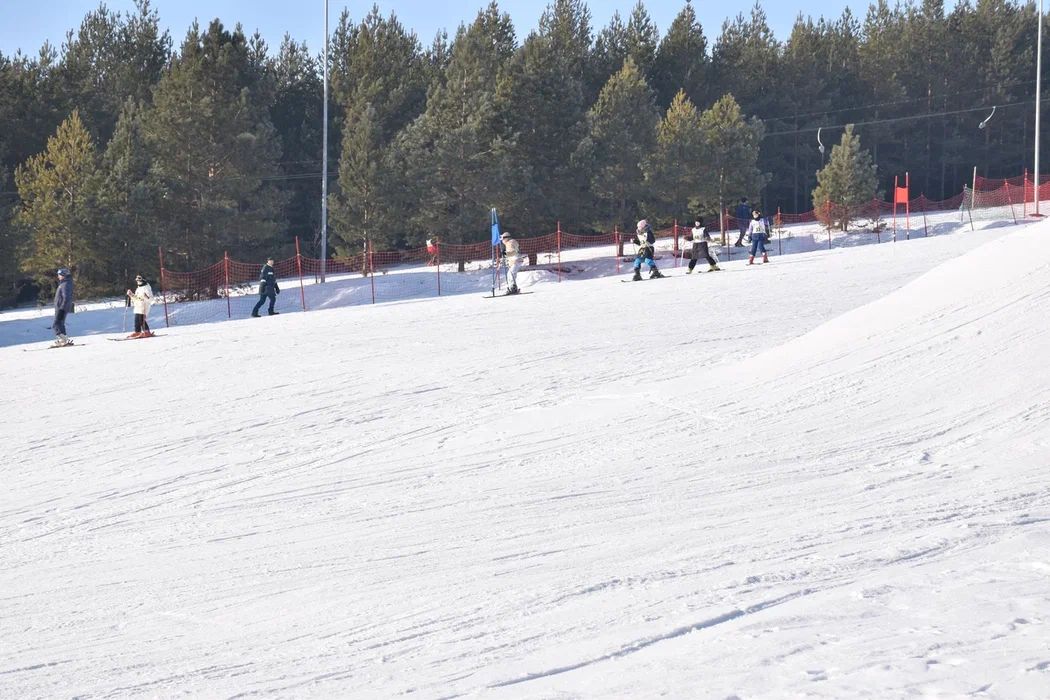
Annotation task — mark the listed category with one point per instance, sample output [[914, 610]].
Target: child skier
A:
[[645, 239], [758, 232], [701, 238], [141, 299]]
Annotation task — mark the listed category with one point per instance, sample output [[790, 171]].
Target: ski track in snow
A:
[[826, 480]]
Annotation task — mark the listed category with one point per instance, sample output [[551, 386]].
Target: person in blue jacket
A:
[[63, 306], [268, 288], [743, 220]]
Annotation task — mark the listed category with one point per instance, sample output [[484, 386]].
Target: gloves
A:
[[276, 289]]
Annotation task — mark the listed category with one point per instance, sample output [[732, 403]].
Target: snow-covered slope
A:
[[821, 477]]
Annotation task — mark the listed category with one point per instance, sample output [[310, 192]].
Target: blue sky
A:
[[26, 24]]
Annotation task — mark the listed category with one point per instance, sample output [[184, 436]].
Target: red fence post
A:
[[163, 294], [674, 246], [827, 215], [226, 276], [559, 251], [371, 269], [437, 258], [299, 266], [778, 221]]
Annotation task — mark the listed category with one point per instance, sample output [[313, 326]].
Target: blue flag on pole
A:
[[495, 227]]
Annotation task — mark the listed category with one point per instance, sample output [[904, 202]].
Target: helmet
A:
[[505, 235], [63, 272]]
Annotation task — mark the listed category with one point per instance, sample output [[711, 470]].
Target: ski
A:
[[143, 337], [497, 296], [53, 347]]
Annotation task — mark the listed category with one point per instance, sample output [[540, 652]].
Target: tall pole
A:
[[1038, 84], [324, 157]]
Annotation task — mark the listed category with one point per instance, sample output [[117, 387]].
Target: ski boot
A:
[[714, 268], [765, 258], [637, 275], [655, 274], [751, 260]]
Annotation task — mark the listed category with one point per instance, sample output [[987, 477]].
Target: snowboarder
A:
[[645, 239], [268, 288], [512, 259], [63, 306], [701, 238], [743, 220], [758, 234], [141, 299]]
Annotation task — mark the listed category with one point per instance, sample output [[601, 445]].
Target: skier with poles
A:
[[645, 239], [141, 299], [758, 234], [701, 238]]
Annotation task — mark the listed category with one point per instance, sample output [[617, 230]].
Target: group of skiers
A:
[[141, 298], [644, 239]]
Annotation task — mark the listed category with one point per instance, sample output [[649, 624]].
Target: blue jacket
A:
[[64, 296], [743, 213]]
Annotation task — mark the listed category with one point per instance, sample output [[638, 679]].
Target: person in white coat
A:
[[141, 300], [758, 233], [512, 257]]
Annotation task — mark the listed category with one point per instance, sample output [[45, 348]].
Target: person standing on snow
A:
[[141, 300], [743, 220], [268, 288], [645, 239], [63, 306], [701, 240], [512, 259], [758, 232]]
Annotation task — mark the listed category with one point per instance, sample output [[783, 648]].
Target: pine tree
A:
[[60, 210], [455, 156], [845, 184], [676, 169], [213, 152], [128, 195], [359, 213], [541, 99], [621, 133], [732, 155], [681, 61]]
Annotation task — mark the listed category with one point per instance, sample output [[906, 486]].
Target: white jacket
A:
[[513, 249], [142, 299]]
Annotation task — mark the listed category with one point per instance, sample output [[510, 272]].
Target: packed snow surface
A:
[[823, 477]]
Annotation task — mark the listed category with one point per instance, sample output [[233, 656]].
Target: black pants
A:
[[140, 323], [743, 232], [263, 296], [59, 323], [701, 250]]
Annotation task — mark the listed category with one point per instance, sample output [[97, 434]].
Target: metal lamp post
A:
[[1038, 86], [324, 154]]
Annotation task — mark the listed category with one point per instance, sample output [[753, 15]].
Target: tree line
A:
[[122, 141]]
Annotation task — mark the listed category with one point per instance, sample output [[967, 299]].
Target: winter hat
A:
[[505, 235]]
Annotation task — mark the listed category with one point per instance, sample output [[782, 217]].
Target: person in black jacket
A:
[[268, 288], [63, 306], [743, 220]]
